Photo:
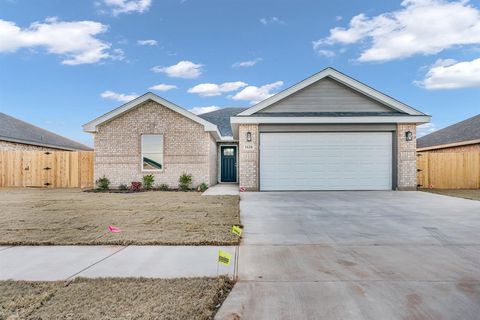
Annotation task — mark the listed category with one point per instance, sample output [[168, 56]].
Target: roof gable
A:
[[327, 95], [93, 125], [350, 83]]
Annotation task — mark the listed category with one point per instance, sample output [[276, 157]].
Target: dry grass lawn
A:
[[472, 194], [114, 298], [70, 216]]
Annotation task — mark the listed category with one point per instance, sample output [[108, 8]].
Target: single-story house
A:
[[463, 136], [327, 132], [17, 135]]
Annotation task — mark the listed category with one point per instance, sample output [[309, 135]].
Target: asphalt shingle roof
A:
[[15, 130], [221, 118], [465, 130]]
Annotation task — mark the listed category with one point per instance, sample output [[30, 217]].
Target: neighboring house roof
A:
[[93, 125], [18, 131], [342, 78], [221, 118], [461, 133]]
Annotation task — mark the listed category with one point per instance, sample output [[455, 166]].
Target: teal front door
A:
[[228, 164]]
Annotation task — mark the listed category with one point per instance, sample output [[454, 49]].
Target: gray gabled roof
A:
[[465, 130], [221, 118], [15, 130]]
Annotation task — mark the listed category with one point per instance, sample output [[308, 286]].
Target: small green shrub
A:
[[123, 187], [164, 187], [202, 187], [148, 181], [184, 182], [103, 183]]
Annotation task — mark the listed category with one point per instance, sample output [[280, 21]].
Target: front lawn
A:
[[473, 194], [114, 298], [73, 217]]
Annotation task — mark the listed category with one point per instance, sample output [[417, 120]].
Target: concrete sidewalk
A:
[[46, 263]]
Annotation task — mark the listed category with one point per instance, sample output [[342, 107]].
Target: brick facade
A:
[[187, 147], [13, 146], [406, 158], [248, 157]]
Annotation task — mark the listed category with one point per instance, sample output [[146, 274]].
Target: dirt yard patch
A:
[[114, 298], [472, 194], [69, 217]]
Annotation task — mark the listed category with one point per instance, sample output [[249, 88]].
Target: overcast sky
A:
[[65, 62]]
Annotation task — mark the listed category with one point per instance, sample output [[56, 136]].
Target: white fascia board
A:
[[226, 139], [342, 78], [321, 120], [92, 125], [236, 121]]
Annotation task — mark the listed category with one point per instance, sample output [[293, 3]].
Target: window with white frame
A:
[[152, 152]]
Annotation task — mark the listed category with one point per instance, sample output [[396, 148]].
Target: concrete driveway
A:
[[357, 255]]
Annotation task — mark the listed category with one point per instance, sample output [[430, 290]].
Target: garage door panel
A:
[[326, 161]]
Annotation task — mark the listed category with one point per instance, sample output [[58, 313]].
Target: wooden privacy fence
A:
[[57, 169], [448, 170]]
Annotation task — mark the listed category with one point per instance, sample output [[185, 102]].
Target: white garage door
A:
[[326, 161]]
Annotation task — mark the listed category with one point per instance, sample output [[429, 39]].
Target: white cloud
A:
[[338, 18], [163, 87], [117, 54], [118, 96], [420, 27], [246, 64], [75, 40], [184, 69], [213, 89], [256, 94], [147, 42], [271, 20], [200, 110], [127, 6], [326, 53], [450, 74], [425, 129]]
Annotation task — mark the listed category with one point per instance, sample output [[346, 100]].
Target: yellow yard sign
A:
[[237, 230], [224, 257]]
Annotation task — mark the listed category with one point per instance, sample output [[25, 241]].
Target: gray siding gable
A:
[[327, 95]]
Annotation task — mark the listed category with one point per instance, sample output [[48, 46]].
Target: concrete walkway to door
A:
[[357, 255]]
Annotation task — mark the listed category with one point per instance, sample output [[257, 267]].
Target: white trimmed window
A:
[[152, 152]]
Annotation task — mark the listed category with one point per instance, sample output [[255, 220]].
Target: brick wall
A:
[[13, 146], [213, 159], [248, 157], [406, 158], [186, 146]]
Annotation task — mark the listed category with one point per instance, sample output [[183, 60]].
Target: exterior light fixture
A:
[[249, 136], [408, 136]]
